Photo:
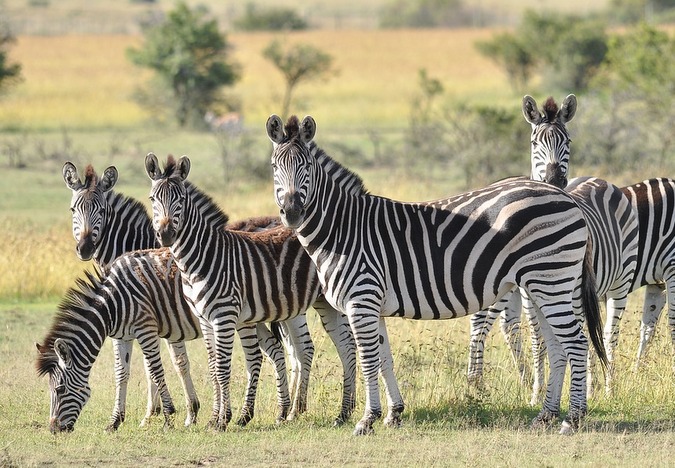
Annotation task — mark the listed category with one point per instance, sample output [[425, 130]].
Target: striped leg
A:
[[181, 363], [538, 350], [615, 309], [154, 405], [150, 347], [509, 324], [301, 348], [122, 351], [339, 331], [481, 324], [395, 405], [670, 286], [249, 342], [655, 299], [364, 320], [275, 354], [209, 342], [224, 326]]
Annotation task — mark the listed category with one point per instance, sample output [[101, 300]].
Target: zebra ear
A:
[[109, 178], [70, 176], [568, 109], [275, 129], [183, 166], [530, 110], [152, 166], [62, 351], [307, 129]]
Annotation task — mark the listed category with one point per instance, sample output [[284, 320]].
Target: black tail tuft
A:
[[591, 308]]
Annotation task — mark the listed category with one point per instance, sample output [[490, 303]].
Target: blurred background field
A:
[[76, 102]]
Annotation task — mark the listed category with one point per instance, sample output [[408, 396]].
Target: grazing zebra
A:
[[106, 225], [442, 259], [613, 228], [237, 277]]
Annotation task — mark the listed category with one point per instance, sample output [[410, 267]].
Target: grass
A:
[[444, 422]]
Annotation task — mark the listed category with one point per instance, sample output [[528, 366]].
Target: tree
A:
[[10, 73], [513, 55], [270, 19], [189, 55], [297, 63]]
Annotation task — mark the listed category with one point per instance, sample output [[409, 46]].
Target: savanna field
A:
[[75, 103]]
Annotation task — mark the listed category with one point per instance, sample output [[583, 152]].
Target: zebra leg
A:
[[616, 305], [154, 406], [395, 403], [364, 321], [272, 349], [150, 347], [481, 324], [557, 363], [655, 299], [224, 326], [209, 342], [538, 349], [300, 343], [510, 326], [181, 363], [337, 327], [249, 343], [122, 351], [670, 285]]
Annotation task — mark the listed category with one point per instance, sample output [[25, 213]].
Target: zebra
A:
[[441, 259], [105, 225], [613, 228], [236, 277]]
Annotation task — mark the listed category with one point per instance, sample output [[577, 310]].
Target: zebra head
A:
[[550, 142], [68, 385], [89, 206], [167, 195], [292, 164]]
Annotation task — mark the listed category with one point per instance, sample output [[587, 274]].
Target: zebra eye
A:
[[274, 166], [60, 389], [72, 210], [152, 199]]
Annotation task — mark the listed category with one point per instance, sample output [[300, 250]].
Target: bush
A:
[[271, 19]]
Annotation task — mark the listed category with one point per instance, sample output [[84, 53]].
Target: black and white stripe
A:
[[106, 225], [444, 259], [232, 277]]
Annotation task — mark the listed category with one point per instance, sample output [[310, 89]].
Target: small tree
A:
[[189, 55], [513, 56], [10, 73], [301, 62], [270, 19]]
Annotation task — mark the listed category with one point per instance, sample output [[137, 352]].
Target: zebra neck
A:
[[128, 228]]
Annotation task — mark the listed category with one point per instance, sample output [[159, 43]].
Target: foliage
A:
[[566, 50], [297, 63], [189, 56], [631, 110], [513, 55], [270, 19], [423, 14], [10, 73], [634, 11]]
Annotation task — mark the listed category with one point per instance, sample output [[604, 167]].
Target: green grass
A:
[[444, 422]]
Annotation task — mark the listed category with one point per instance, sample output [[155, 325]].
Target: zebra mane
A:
[[90, 177], [292, 128], [77, 302], [348, 180], [170, 166], [550, 110], [209, 209], [119, 202]]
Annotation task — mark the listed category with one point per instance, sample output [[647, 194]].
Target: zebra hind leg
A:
[[122, 351], [181, 363], [272, 349]]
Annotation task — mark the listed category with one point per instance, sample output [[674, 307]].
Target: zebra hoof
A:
[[364, 428], [566, 428]]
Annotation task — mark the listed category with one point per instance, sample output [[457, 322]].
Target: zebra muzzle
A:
[[85, 248], [292, 211]]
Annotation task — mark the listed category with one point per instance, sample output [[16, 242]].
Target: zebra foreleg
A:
[[395, 403], [150, 347], [481, 324], [339, 331], [224, 324], [249, 343], [154, 405], [209, 342], [181, 363], [275, 354], [509, 323], [300, 343], [122, 351], [538, 350], [616, 305], [365, 326], [655, 299]]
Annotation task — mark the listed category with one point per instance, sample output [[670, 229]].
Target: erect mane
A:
[[550, 109], [76, 303], [292, 128], [90, 177], [170, 166], [207, 207]]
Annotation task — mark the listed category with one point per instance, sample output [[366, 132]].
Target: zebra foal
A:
[[106, 225], [237, 277], [377, 258]]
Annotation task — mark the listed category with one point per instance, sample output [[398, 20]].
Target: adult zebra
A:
[[442, 259], [106, 224], [234, 277], [653, 201], [613, 231]]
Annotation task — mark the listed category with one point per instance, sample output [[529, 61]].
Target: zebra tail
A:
[[591, 307], [277, 331]]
